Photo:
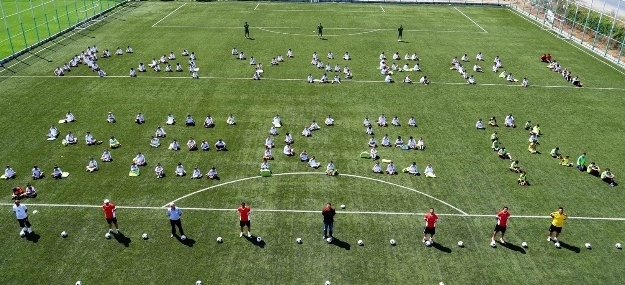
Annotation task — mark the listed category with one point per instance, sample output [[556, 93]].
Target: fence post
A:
[[566, 11], [586, 21], [598, 25], [58, 19], [4, 17], [614, 19], [574, 21], [19, 16], [32, 11], [45, 15]]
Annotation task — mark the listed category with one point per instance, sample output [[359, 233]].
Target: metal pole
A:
[[76, 11], [607, 45], [566, 11], [58, 19], [7, 27], [574, 21], [19, 16], [69, 22], [586, 21], [598, 25], [45, 15], [620, 53], [84, 4], [32, 10]]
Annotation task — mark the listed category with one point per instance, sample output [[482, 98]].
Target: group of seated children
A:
[[412, 169], [19, 193], [381, 122], [593, 169], [457, 65], [220, 145], [556, 67], [164, 59]]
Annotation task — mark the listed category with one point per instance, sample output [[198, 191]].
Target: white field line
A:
[[316, 11], [93, 7], [471, 20], [320, 173], [360, 29], [16, 35], [256, 6], [51, 45], [168, 15], [304, 80], [491, 216], [382, 9], [29, 8], [582, 49]]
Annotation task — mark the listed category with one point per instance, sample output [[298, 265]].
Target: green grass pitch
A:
[[472, 183]]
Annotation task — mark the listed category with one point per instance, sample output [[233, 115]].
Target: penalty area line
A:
[[314, 212], [463, 14], [157, 22], [256, 6]]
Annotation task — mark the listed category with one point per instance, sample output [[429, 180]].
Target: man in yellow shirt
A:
[[556, 224]]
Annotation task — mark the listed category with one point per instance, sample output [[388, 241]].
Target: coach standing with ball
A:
[[175, 214], [328, 220], [21, 213]]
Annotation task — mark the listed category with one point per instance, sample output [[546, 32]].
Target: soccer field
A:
[[472, 183]]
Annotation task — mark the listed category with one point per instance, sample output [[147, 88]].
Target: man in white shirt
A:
[[9, 173], [21, 213], [174, 213]]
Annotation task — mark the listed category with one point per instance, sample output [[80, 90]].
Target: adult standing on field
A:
[[246, 26], [400, 32], [320, 31], [110, 213], [328, 220], [21, 213], [502, 223], [244, 219], [556, 224], [175, 214]]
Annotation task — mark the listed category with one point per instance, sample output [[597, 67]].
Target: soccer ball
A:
[[22, 234], [220, 240], [78, 282], [360, 242], [460, 244], [183, 237], [199, 282], [587, 245], [343, 206], [618, 246], [64, 234], [107, 235], [392, 241], [524, 244], [329, 240], [428, 243], [259, 239], [493, 244], [144, 236], [557, 245], [328, 282], [298, 240]]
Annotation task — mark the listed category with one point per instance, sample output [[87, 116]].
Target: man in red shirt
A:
[[430, 225], [502, 223], [244, 219], [328, 221], [109, 213]]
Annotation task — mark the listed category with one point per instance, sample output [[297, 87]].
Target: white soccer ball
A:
[[199, 282], [329, 240], [428, 243], [107, 235], [78, 282], [392, 241], [183, 237], [259, 239], [493, 244], [220, 240], [587, 245], [360, 242], [618, 246], [328, 282], [557, 245], [22, 234], [298, 240], [524, 244], [64, 234], [460, 244], [144, 236], [343, 206]]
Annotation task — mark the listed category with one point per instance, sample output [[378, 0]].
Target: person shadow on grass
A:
[[441, 247], [188, 241], [121, 238], [342, 244], [255, 242], [514, 247]]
